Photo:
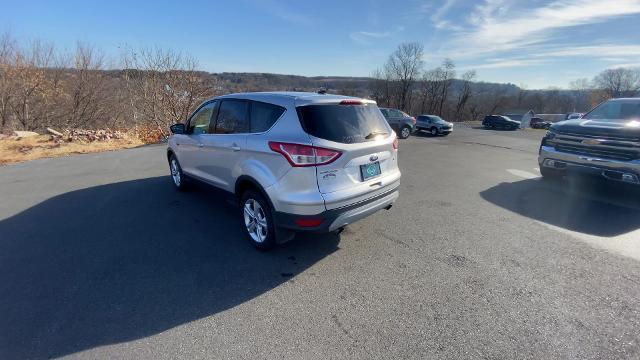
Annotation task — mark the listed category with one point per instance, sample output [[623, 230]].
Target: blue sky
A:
[[535, 43]]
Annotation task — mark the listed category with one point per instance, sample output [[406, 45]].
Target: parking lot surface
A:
[[101, 258]]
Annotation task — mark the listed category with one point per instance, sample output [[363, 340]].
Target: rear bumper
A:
[[336, 218], [615, 170]]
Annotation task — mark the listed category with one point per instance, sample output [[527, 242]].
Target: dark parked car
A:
[[539, 123], [605, 143], [500, 122], [435, 125], [402, 123]]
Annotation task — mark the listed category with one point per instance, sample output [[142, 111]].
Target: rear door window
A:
[[233, 117], [264, 115], [343, 123]]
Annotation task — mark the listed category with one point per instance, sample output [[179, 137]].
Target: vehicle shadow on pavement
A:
[[124, 261], [588, 207]]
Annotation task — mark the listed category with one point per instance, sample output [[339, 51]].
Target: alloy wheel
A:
[[255, 220], [175, 172]]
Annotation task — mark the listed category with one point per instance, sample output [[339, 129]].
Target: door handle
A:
[[200, 145], [235, 147]]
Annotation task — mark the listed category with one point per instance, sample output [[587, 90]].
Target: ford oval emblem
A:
[[373, 158], [591, 142]]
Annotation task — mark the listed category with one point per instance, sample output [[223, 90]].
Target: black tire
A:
[[405, 132], [551, 174], [255, 238], [433, 131], [178, 178]]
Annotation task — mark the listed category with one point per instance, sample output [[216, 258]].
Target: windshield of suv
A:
[[615, 110], [437, 119], [343, 123]]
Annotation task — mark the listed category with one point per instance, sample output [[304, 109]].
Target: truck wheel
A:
[[405, 132]]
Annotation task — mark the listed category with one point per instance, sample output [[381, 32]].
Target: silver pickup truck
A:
[[605, 143]]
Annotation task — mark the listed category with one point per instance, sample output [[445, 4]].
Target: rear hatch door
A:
[[368, 161]]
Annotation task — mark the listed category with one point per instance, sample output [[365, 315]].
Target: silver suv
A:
[[295, 161]]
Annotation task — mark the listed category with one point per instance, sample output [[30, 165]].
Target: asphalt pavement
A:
[[101, 258]]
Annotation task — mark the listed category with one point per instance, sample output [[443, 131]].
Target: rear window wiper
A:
[[375, 133]]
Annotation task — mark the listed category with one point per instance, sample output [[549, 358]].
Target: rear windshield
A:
[[345, 124], [616, 110]]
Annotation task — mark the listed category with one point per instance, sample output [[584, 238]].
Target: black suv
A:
[[402, 123], [605, 142], [500, 122]]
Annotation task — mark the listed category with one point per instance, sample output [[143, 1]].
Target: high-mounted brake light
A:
[[351, 102], [299, 155]]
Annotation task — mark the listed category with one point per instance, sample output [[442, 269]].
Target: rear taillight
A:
[[413, 119], [395, 144], [304, 155]]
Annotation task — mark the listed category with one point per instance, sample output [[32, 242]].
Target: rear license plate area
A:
[[369, 171]]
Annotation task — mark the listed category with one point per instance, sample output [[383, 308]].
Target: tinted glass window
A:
[[232, 117], [615, 110], [199, 122], [395, 113], [263, 116], [385, 112], [343, 123]]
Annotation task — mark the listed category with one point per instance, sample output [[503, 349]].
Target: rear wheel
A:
[[434, 131], [405, 132], [258, 221]]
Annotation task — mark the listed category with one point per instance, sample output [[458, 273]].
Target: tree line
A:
[[403, 82], [42, 86]]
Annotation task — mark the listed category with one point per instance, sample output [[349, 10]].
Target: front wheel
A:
[[433, 131], [258, 222], [179, 180], [405, 132]]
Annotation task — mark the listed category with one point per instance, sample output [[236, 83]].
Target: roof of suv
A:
[[300, 98]]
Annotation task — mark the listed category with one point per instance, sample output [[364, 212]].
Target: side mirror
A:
[[177, 129]]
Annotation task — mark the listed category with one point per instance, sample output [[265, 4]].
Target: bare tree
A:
[[618, 82], [465, 93], [33, 92], [85, 88], [381, 87], [7, 57], [448, 74], [430, 91], [405, 65], [164, 86]]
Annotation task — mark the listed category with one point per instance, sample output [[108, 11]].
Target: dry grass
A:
[[14, 150]]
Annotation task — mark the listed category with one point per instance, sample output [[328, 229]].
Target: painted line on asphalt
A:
[[523, 174]]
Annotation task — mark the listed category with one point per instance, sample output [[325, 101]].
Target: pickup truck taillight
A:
[[299, 155]]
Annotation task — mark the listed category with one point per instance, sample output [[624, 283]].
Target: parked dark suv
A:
[[402, 123], [500, 122], [605, 142]]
